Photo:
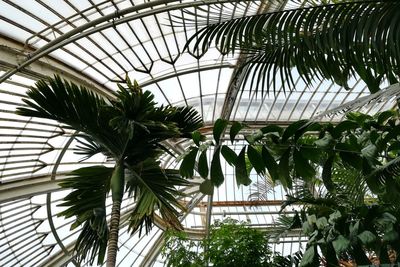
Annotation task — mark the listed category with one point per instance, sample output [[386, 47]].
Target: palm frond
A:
[[384, 178], [187, 119], [64, 102], [261, 188], [383, 95], [90, 187], [77, 108], [351, 187], [89, 245], [285, 224], [330, 41], [88, 148], [289, 260], [155, 189]]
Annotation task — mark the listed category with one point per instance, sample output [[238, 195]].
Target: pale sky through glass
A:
[[147, 44]]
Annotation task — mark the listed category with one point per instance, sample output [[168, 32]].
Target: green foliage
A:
[[363, 143], [154, 188], [180, 251], [230, 243], [346, 222], [234, 244], [355, 164], [86, 202], [330, 40], [128, 128]]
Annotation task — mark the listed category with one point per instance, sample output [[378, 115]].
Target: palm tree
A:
[[129, 130], [333, 40]]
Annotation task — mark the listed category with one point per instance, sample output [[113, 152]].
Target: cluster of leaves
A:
[[354, 163], [213, 174], [350, 234], [230, 243], [128, 128], [363, 143], [347, 224], [321, 41]]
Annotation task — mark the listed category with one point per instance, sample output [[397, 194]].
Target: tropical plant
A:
[[333, 40], [349, 223], [355, 162], [180, 251], [230, 243], [368, 144], [128, 129]]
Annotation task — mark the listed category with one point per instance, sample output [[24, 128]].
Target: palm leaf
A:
[[351, 187], [331, 41], [261, 189], [187, 119], [154, 189], [87, 147], [384, 178], [90, 187], [89, 244], [77, 108], [361, 102]]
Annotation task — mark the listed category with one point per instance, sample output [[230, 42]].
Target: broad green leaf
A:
[[187, 166], [256, 160], [343, 126], [242, 176], [302, 166], [354, 229], [229, 155], [307, 127], [309, 257], [333, 217], [391, 236], [340, 244], [270, 163], [271, 129], [327, 173], [307, 228], [251, 139], [393, 133], [325, 141], [311, 219], [352, 157], [235, 129], [367, 237], [197, 137], [394, 146], [384, 116], [389, 217], [207, 187], [321, 223], [217, 176], [370, 151], [203, 164], [359, 117], [284, 170], [313, 153], [292, 128], [219, 127]]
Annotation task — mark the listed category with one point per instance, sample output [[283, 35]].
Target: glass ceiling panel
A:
[[145, 44]]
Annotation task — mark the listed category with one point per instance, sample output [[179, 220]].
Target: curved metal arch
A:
[[48, 198], [80, 32], [186, 71]]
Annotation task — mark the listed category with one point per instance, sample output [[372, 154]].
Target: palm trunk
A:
[[113, 237], [117, 189]]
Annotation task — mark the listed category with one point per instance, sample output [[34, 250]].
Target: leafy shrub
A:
[[230, 243]]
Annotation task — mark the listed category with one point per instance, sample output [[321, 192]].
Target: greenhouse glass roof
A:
[[96, 44]]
